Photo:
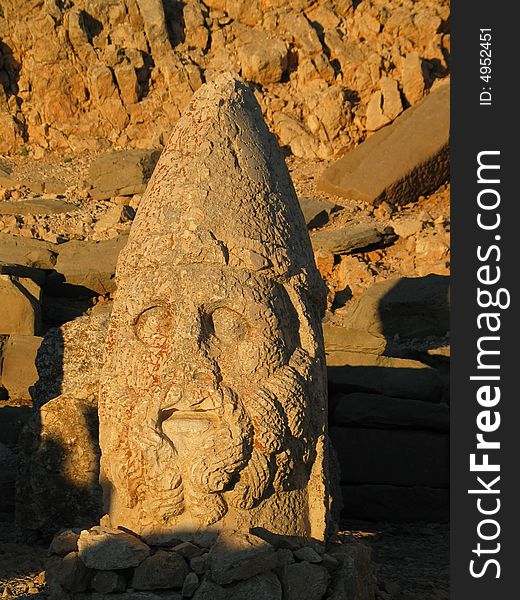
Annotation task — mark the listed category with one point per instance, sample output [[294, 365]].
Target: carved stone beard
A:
[[257, 446]]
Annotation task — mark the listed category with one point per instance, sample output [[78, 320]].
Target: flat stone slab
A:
[[348, 239], [409, 458], [345, 339], [121, 173], [26, 252], [399, 162], [36, 206], [361, 409], [86, 264], [412, 307], [399, 377]]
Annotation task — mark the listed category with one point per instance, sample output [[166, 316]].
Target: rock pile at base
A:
[[234, 566]]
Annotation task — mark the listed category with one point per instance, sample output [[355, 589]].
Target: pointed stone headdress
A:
[[221, 193]]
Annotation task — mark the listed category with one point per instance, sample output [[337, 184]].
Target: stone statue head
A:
[[213, 396]]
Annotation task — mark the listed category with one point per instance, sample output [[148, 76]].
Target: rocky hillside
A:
[[90, 75]]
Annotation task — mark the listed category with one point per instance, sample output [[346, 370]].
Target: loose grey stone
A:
[[64, 542], [238, 556], [188, 550], [304, 580], [209, 590], [316, 212], [107, 582], [198, 564], [307, 554], [347, 239], [73, 575], [260, 587], [191, 583], [162, 570], [106, 549]]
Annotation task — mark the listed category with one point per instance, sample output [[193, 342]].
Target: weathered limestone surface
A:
[[86, 265], [19, 309], [57, 480], [213, 400], [19, 372], [412, 307], [16, 250], [121, 173], [401, 161]]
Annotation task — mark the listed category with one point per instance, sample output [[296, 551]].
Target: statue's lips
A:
[[188, 422]]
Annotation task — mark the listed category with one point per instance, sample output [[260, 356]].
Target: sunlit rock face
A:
[[213, 397]]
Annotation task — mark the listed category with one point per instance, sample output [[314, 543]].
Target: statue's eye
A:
[[228, 326], [152, 322]]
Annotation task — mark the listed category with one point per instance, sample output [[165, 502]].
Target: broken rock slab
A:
[[411, 307], [316, 212], [5, 176], [37, 206], [121, 173], [349, 238], [399, 377], [19, 372], [86, 267], [338, 338], [399, 162], [25, 252], [70, 358], [19, 307], [57, 484]]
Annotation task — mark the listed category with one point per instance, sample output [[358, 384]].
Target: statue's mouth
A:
[[182, 422]]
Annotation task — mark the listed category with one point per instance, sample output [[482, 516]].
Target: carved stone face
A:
[[213, 376], [213, 396]]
